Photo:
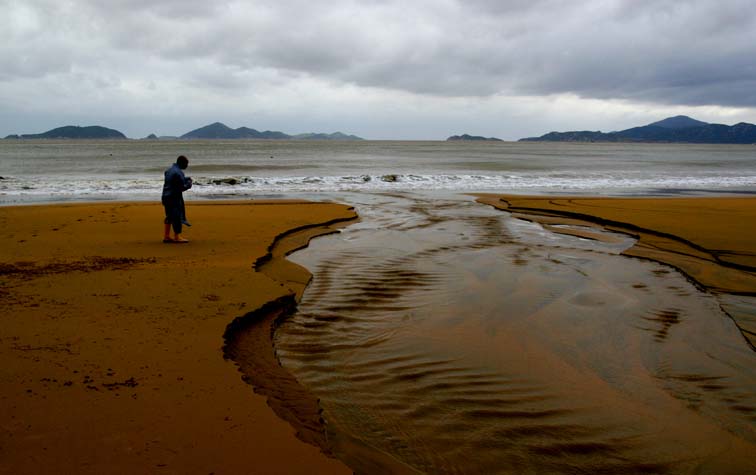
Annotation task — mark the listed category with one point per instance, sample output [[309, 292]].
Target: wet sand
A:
[[711, 240], [452, 337], [439, 336], [111, 343]]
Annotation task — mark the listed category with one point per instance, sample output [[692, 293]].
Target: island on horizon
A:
[[219, 130], [472, 138], [213, 131], [74, 132], [678, 129]]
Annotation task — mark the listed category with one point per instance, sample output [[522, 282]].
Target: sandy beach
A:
[[111, 346], [121, 354]]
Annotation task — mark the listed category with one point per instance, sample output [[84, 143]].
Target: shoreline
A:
[[112, 349], [250, 345], [249, 338], [704, 238]]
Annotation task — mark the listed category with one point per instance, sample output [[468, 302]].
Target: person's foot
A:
[[168, 240], [180, 240]]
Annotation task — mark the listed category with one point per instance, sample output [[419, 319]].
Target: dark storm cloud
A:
[[692, 52], [672, 52], [695, 52]]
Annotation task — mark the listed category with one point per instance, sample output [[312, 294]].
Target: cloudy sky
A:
[[381, 69]]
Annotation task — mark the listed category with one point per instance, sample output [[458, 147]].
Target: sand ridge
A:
[[709, 239], [111, 341]]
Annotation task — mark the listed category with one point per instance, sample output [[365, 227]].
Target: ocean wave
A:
[[246, 167], [209, 186]]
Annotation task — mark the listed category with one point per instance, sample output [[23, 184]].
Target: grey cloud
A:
[[670, 52], [689, 55], [695, 52], [181, 10]]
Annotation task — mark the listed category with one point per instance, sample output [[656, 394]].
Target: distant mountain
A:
[[222, 131], [678, 122], [151, 137], [472, 138], [218, 130], [680, 129], [321, 136], [247, 133], [74, 132]]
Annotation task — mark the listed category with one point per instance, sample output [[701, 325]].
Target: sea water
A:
[[44, 171]]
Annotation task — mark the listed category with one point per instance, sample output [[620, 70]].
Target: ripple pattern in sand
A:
[[432, 333]]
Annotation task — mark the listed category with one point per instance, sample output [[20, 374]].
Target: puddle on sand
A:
[[458, 339]]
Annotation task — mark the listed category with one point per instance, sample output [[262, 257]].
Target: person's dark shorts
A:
[[173, 210]]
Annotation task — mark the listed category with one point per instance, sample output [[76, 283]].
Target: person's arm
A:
[[186, 183], [179, 183]]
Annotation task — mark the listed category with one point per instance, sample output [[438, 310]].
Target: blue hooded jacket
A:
[[175, 182]]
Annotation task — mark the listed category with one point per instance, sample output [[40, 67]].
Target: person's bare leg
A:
[[178, 238], [167, 233]]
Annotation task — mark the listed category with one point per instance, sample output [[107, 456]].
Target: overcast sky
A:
[[380, 69]]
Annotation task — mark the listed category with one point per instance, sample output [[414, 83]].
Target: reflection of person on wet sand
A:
[[173, 200]]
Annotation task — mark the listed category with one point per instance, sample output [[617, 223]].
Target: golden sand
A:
[[712, 240], [111, 342]]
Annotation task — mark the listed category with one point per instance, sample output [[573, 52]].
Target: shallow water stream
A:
[[454, 338]]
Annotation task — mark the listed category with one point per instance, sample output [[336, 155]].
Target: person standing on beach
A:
[[173, 200]]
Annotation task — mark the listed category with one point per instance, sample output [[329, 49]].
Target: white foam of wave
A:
[[83, 188]]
